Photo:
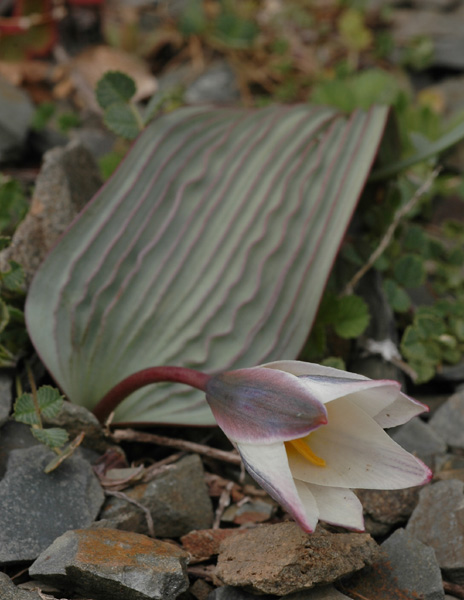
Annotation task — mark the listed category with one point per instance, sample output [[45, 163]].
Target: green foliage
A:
[[30, 410], [53, 437], [122, 120], [13, 204], [43, 113], [114, 93], [114, 88], [109, 163], [351, 316], [363, 89]]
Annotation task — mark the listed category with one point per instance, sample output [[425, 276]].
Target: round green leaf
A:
[[50, 401], [120, 118], [352, 317], [54, 437], [396, 296], [429, 326], [410, 271], [114, 87], [24, 410]]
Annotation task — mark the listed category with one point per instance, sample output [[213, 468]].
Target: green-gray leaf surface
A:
[[209, 247]]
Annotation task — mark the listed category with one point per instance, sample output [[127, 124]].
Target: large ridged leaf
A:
[[209, 248]]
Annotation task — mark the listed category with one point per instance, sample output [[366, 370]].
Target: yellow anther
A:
[[303, 448]]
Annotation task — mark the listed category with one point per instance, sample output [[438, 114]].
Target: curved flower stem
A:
[[134, 382]]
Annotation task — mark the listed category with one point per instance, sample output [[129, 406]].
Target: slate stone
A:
[[6, 397], [9, 591], [420, 439], [448, 421], [217, 85], [414, 565], [16, 110], [438, 522], [408, 570], [74, 419], [443, 28], [68, 178], [108, 563], [326, 592], [14, 436], [177, 499], [38, 507], [386, 509], [281, 559]]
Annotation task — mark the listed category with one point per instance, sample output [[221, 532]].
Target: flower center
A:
[[302, 447]]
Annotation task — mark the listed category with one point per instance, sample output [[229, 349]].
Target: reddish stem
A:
[[134, 382]]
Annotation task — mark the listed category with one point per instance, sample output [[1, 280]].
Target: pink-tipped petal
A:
[[358, 454], [263, 406], [337, 506], [401, 411], [268, 465]]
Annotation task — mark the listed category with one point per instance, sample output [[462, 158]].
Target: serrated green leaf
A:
[[209, 247], [396, 296], [120, 118], [429, 326], [114, 88], [14, 279], [425, 371], [409, 271], [4, 315], [53, 437], [415, 239], [24, 410], [4, 241], [415, 348], [352, 317], [50, 401], [456, 325]]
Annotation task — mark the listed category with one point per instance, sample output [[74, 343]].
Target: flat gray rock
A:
[[438, 522], [228, 592], [16, 110], [217, 85], [177, 500], [407, 569], [107, 563], [9, 591], [68, 179], [448, 421], [14, 436], [384, 510], [6, 397], [414, 566], [420, 439], [37, 508], [443, 28], [75, 419]]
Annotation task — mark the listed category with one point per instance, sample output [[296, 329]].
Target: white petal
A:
[[387, 411], [372, 395], [299, 368], [401, 411], [337, 506], [358, 454], [268, 464]]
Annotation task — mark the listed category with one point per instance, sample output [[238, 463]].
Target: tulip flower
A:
[[307, 434]]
